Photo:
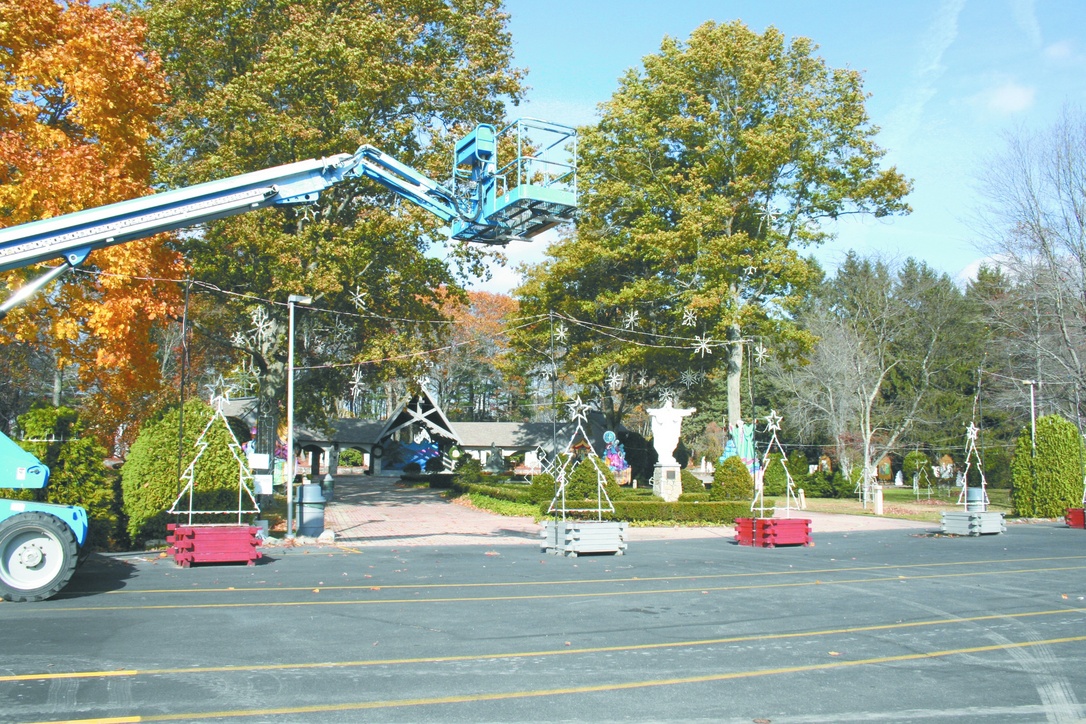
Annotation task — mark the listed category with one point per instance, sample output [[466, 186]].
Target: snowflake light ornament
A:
[[358, 297], [615, 379], [688, 378], [560, 332], [761, 354], [690, 318], [631, 319], [702, 347]]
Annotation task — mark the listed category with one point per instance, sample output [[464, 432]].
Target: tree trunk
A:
[[58, 384], [735, 374]]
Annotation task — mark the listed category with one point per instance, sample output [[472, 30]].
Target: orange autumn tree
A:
[[474, 382], [81, 98]]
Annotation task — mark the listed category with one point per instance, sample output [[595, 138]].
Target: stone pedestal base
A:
[[667, 482]]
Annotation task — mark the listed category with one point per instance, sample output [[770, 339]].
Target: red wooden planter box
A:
[[213, 544], [772, 532], [1075, 518]]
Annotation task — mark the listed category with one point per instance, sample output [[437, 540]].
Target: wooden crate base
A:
[[573, 537], [973, 523], [213, 544], [773, 532], [1075, 518]]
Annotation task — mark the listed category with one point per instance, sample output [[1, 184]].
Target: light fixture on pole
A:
[[291, 301], [1032, 414]]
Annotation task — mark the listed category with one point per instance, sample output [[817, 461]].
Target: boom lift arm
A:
[[488, 204]]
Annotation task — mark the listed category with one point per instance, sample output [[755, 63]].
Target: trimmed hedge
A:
[[720, 513], [1046, 485], [511, 493]]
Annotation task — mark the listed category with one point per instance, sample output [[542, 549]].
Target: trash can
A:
[[310, 510], [974, 500]]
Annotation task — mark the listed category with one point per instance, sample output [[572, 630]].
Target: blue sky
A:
[[947, 78]]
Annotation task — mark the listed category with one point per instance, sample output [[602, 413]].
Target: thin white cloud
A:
[[1025, 17], [1009, 97], [906, 117], [1063, 52]]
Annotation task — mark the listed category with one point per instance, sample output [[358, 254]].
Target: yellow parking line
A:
[[533, 654], [567, 582], [572, 690], [547, 596]]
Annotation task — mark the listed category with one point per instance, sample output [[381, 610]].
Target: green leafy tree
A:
[[775, 479], [150, 477], [732, 481], [269, 82], [1045, 485], [77, 472], [710, 168]]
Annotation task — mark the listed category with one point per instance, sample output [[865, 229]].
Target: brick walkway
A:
[[378, 511]]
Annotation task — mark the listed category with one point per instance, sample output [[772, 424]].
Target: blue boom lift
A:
[[485, 202]]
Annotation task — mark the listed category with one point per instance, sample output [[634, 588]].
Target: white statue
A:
[[666, 425]]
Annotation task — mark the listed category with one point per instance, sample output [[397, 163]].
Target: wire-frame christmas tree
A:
[[971, 455], [773, 424], [245, 475], [566, 464]]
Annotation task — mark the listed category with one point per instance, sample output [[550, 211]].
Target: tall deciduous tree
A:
[[895, 356], [710, 167], [80, 100], [269, 82], [1035, 225]]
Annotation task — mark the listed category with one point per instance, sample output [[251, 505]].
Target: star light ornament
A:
[[578, 410], [702, 347], [971, 432], [772, 421]]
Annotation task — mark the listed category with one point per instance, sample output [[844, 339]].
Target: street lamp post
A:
[[1032, 414], [291, 301]]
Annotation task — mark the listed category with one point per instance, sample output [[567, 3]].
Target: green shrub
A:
[[77, 473], [542, 489], [913, 463], [412, 469], [583, 483], [775, 480], [351, 458], [1045, 485], [691, 483], [468, 471], [658, 511], [513, 493], [798, 465], [435, 465], [732, 481], [149, 478], [695, 498]]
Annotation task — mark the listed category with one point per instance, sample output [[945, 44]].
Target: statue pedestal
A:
[[667, 482]]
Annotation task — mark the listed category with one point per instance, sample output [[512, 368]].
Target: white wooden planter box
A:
[[973, 523], [573, 537]]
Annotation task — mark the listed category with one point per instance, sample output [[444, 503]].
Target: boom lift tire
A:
[[38, 555]]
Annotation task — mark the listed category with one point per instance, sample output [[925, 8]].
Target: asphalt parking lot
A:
[[875, 626]]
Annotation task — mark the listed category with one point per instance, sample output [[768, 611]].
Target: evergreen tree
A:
[[1045, 484]]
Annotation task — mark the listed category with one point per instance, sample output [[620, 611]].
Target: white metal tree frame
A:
[[773, 424], [245, 475], [566, 464]]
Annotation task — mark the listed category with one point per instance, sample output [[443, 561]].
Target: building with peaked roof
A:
[[418, 428]]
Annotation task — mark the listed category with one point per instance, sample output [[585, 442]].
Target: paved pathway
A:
[[379, 511]]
